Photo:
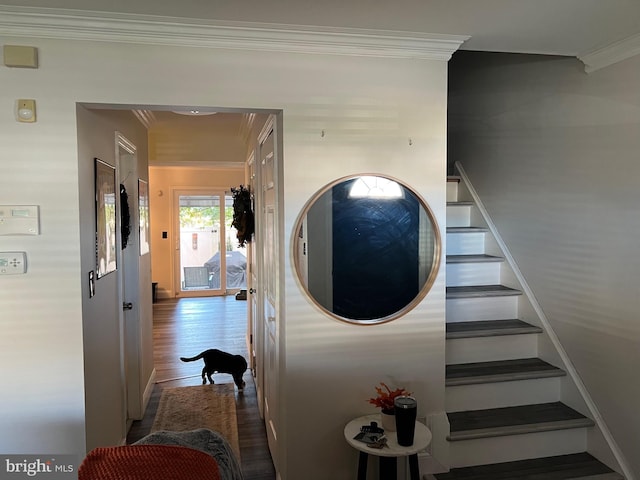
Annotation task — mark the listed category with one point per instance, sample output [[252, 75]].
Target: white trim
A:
[[190, 32], [568, 364], [145, 117], [613, 53], [148, 390], [200, 165], [125, 143]]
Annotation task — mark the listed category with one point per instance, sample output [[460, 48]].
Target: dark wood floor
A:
[[187, 326]]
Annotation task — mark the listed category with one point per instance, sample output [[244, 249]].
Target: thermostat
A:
[[19, 220], [12, 263]]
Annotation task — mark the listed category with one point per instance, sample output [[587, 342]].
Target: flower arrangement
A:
[[386, 396]]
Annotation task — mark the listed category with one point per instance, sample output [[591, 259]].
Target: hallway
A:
[[187, 326]]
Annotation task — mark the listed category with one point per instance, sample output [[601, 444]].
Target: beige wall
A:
[[162, 183], [368, 107], [553, 154]]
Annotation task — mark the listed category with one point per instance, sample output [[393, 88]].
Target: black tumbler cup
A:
[[406, 409]]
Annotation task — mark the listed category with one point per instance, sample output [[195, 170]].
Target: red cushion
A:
[[148, 462]]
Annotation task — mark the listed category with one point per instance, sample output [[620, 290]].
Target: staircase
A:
[[504, 403]]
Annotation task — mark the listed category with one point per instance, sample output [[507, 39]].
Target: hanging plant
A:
[[243, 220]]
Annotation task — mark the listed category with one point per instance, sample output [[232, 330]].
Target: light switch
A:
[[13, 263]]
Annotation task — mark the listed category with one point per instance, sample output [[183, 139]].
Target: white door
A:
[[127, 167], [268, 284], [208, 259], [254, 307]]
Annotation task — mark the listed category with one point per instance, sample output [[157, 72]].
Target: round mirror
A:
[[366, 249]]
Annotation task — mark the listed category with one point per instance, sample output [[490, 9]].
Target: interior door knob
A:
[[127, 306]]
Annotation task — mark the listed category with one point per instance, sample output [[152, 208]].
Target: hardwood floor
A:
[[187, 326]]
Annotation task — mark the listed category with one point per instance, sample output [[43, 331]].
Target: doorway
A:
[[208, 259]]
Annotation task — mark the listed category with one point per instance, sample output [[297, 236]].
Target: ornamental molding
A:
[[67, 24], [613, 53]]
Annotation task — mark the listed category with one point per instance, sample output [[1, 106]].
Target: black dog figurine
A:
[[217, 361]]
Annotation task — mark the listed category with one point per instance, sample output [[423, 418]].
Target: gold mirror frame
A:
[[299, 251]]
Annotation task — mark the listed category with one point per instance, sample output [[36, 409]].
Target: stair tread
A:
[[466, 291], [489, 328], [561, 467], [500, 371], [520, 419], [467, 229], [477, 258], [461, 203]]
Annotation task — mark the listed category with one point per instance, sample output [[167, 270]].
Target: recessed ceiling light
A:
[[193, 112]]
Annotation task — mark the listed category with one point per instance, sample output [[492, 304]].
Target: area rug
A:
[[202, 406]]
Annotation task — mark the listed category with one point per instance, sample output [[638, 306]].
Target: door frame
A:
[[271, 358], [176, 192], [252, 277], [129, 275]]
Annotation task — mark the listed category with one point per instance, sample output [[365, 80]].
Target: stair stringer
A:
[[600, 441]]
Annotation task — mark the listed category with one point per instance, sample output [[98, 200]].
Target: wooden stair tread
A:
[[453, 178], [561, 467], [467, 229], [489, 328], [495, 422], [479, 258], [469, 291], [500, 371]]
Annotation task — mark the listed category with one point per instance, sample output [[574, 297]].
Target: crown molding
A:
[[195, 165], [145, 117], [613, 53], [70, 24]]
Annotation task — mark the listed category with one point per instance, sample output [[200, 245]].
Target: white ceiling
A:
[[558, 27]]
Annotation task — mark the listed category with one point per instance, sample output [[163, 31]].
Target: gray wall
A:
[[553, 154], [102, 331]]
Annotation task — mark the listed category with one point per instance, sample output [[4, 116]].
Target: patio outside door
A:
[[208, 259]]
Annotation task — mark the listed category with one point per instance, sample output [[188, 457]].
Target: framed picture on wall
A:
[[105, 176], [143, 204]]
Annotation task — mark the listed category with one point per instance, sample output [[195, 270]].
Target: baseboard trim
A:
[[148, 390], [568, 364]]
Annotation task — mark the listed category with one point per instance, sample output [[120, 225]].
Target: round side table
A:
[[388, 455]]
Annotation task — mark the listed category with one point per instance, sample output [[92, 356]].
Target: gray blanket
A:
[[204, 440]]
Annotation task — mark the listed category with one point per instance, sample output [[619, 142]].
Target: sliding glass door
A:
[[208, 259]]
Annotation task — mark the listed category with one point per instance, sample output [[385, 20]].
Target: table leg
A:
[[388, 468], [362, 466], [413, 467]]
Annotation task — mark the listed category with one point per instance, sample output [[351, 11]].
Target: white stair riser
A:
[[502, 394], [482, 451], [458, 215], [459, 274], [452, 191], [481, 308], [465, 243], [486, 349]]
